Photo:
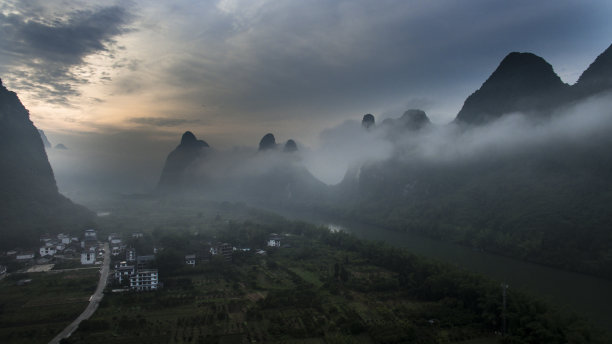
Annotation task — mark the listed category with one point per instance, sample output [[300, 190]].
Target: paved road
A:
[[94, 301]]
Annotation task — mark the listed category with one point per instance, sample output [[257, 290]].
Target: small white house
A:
[[274, 240], [88, 258], [114, 238], [63, 238], [47, 250], [190, 259], [116, 250]]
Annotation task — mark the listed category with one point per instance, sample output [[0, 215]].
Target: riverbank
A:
[[572, 292]]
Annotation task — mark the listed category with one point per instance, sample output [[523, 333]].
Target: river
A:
[[582, 294]]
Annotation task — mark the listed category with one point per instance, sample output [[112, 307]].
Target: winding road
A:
[[94, 300]]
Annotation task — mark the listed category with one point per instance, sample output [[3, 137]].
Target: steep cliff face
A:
[[523, 82], [22, 150], [180, 160], [29, 198]]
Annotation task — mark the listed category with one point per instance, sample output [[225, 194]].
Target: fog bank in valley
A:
[[86, 172]]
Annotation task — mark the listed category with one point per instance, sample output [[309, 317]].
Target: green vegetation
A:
[[546, 205], [36, 311], [324, 287]]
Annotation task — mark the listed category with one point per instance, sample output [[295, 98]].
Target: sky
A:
[[120, 81]]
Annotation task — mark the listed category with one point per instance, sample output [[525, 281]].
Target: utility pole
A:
[[504, 287]]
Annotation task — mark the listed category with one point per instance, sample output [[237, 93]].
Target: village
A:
[[131, 270]]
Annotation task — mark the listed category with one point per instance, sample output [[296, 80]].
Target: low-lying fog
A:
[[132, 162]]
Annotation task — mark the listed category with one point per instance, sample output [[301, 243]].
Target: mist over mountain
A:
[[368, 121], [522, 171], [528, 176], [45, 141], [267, 142], [176, 169], [264, 175], [290, 146], [30, 202]]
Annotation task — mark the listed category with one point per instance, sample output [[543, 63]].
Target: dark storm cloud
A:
[[39, 53], [161, 122]]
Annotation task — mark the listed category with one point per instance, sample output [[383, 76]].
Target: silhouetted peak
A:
[[290, 146], [415, 118], [180, 160], [598, 77], [523, 70], [522, 82], [368, 121], [267, 142], [60, 146], [189, 139]]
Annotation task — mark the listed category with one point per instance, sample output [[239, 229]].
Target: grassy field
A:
[[36, 311]]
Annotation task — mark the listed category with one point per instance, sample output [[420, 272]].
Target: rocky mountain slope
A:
[[30, 201]]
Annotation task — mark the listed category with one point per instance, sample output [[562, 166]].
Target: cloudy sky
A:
[[131, 76]]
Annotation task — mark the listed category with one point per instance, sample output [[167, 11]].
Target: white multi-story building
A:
[[88, 256], [130, 255], [123, 271], [143, 280]]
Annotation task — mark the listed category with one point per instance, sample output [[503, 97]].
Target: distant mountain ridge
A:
[[526, 83], [29, 198]]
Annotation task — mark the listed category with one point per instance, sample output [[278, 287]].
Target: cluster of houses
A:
[[51, 247], [69, 247], [223, 250], [136, 272], [226, 250]]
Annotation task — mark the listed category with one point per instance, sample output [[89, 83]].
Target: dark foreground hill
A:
[[29, 200]]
